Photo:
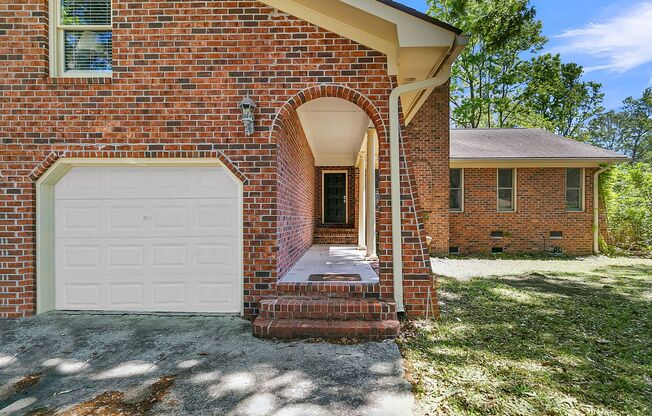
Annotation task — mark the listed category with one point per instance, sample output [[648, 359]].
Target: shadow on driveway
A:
[[78, 364]]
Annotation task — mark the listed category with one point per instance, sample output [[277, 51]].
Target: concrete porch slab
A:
[[328, 258]]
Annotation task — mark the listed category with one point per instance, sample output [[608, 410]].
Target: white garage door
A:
[[148, 239]]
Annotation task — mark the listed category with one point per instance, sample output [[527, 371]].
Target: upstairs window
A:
[[574, 189], [80, 38], [457, 190], [506, 190]]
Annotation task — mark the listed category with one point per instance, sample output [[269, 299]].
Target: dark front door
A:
[[334, 198]]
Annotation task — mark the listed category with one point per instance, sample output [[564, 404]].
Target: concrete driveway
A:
[[82, 364]]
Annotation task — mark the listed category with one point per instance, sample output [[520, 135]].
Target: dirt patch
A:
[[22, 384], [26, 382], [112, 403], [42, 411]]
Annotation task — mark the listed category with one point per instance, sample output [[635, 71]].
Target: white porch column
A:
[[362, 170], [372, 137]]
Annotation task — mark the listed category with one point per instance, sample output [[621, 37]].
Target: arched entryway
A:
[[327, 160]]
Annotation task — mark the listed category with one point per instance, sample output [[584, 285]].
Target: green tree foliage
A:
[[499, 80], [487, 78], [629, 206], [556, 98], [627, 130]]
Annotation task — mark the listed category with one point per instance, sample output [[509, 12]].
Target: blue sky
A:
[[612, 39]]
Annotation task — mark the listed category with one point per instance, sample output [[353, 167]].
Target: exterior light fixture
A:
[[247, 106]]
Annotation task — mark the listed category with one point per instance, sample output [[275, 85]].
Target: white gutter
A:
[[596, 210], [395, 177]]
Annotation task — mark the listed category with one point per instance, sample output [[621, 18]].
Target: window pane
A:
[[573, 178], [573, 199], [86, 12], [456, 199], [505, 178], [505, 199], [88, 50], [456, 178]]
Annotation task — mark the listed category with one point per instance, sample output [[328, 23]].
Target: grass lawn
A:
[[554, 344]]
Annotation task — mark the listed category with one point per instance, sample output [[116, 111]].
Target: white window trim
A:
[[56, 44], [461, 209], [582, 190], [346, 196], [514, 190]]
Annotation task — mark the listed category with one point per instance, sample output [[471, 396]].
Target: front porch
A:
[[334, 260], [332, 187]]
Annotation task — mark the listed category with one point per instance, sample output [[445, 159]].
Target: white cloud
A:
[[620, 43]]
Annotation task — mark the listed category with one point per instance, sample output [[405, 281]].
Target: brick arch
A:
[[329, 91], [194, 153]]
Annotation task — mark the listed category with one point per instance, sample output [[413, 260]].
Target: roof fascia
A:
[[532, 163]]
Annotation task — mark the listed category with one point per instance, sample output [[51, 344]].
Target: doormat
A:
[[334, 277]]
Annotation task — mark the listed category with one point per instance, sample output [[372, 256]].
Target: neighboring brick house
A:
[[129, 182], [515, 190]]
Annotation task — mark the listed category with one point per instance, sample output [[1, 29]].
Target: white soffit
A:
[[335, 130]]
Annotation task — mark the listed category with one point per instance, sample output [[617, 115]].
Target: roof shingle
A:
[[522, 144]]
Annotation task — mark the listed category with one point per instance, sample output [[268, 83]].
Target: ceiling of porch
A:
[[335, 129]]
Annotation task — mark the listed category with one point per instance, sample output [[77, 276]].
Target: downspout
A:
[[596, 210], [395, 176]]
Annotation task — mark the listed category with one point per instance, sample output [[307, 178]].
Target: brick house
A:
[[184, 155], [510, 190], [227, 156]]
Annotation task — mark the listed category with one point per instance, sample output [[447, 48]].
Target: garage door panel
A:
[[145, 257], [147, 218], [130, 256], [81, 256], [154, 243], [78, 296], [146, 182], [80, 218], [215, 294], [122, 295], [123, 216]]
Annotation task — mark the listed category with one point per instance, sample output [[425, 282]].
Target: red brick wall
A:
[[296, 193], [540, 208], [429, 133], [180, 69], [337, 233]]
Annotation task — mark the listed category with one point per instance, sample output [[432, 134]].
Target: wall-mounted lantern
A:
[[247, 106]]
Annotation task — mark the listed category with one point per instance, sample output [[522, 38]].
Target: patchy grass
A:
[[552, 344]]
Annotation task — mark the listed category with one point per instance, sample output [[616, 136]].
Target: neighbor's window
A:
[[506, 189], [574, 194], [81, 38], [457, 190]]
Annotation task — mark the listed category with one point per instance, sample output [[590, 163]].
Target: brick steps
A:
[[302, 328], [327, 310], [319, 290]]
